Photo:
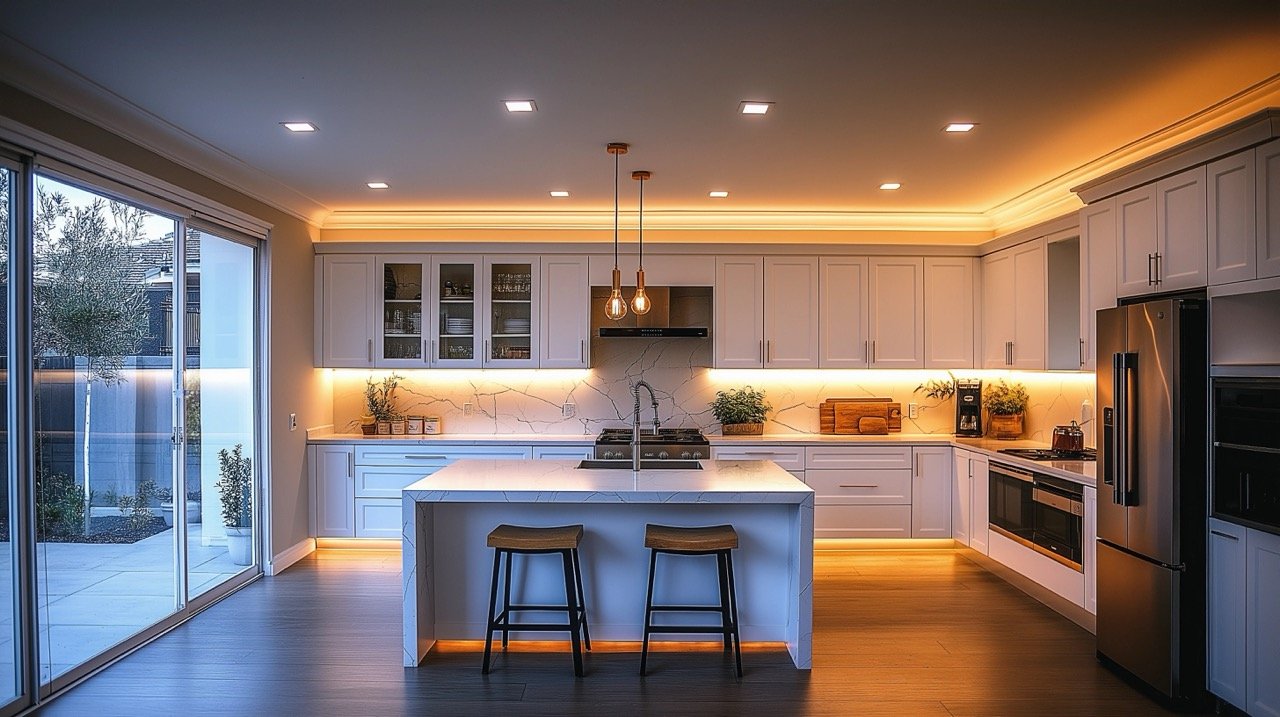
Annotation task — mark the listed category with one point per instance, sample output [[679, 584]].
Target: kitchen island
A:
[[446, 564]]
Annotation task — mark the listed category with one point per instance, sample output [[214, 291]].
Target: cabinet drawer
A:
[[438, 456], [871, 487], [388, 481], [789, 458], [862, 521], [378, 518], [563, 452], [858, 457]]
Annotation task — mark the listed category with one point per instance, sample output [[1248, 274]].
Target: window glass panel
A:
[[9, 618]]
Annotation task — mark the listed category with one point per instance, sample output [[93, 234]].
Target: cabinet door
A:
[[332, 491], [401, 337], [948, 312], [739, 299], [1233, 230], [562, 453], [1266, 167], [1227, 645], [1097, 272], [347, 292], [1262, 613], [842, 338], [1030, 287], [1136, 241], [455, 287], [1089, 546], [896, 311], [564, 313], [962, 500], [980, 503], [1181, 233], [510, 306], [931, 493], [997, 309], [790, 312]]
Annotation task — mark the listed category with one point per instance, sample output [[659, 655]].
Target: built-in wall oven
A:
[[1039, 511], [1246, 451]]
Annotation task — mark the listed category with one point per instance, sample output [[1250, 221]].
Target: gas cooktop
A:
[[1048, 454], [683, 436]]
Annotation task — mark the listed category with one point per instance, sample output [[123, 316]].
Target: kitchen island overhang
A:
[[446, 564]]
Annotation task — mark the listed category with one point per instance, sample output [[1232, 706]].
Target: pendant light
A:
[[615, 307], [640, 302]]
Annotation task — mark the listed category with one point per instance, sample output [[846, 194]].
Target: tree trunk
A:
[[88, 496]]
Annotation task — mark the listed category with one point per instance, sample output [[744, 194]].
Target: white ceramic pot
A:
[[240, 545]]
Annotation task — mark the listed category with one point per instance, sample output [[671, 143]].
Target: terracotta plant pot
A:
[[1005, 428], [742, 429]]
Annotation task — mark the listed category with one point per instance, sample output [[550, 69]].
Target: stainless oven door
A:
[[1059, 522], [1012, 508]]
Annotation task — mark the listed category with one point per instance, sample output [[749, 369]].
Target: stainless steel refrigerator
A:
[[1151, 380]]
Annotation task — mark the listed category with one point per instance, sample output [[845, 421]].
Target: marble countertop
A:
[[558, 481], [457, 439]]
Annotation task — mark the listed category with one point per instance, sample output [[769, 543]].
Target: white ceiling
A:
[[410, 93]]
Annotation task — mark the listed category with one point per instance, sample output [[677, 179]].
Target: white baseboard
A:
[[289, 556]]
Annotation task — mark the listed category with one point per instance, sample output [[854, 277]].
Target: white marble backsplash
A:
[[505, 402]]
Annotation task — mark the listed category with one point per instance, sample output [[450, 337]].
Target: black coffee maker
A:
[[968, 407]]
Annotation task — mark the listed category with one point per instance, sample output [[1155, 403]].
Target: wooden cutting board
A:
[[849, 414], [827, 412]]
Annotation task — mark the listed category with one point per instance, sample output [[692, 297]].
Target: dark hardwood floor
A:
[[917, 633]]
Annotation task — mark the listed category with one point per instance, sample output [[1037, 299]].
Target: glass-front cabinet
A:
[[401, 340], [511, 319], [456, 323], [484, 312]]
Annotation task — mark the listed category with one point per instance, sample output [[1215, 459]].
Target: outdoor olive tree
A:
[[87, 305]]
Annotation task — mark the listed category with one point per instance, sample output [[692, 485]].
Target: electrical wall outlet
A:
[[568, 410], [913, 410], [466, 409], [293, 421]]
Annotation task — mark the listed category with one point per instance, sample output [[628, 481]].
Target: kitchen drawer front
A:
[[379, 518], [789, 458], [872, 487], [858, 457], [563, 453], [437, 456], [388, 481], [862, 521]]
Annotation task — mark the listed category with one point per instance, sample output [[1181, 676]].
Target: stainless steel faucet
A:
[[635, 421]]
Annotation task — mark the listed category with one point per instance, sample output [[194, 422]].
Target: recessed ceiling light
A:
[[718, 194], [754, 108], [378, 185], [521, 106], [559, 193], [891, 185], [299, 126], [959, 127]]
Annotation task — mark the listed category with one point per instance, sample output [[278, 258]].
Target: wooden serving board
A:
[[827, 413], [849, 414]]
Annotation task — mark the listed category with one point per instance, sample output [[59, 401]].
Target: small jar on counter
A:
[[431, 425], [414, 427]]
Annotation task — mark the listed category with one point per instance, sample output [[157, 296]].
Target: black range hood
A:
[[677, 312]]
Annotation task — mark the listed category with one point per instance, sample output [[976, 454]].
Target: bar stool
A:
[[511, 540], [718, 540]]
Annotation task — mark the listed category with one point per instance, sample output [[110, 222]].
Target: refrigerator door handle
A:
[[1123, 435]]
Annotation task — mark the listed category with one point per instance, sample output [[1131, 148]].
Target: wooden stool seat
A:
[[518, 537], [690, 540]]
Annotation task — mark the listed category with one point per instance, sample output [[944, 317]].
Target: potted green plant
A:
[[1006, 404], [380, 402], [165, 494], [235, 486], [741, 411]]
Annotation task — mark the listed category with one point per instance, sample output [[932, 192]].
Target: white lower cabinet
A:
[[1089, 541], [980, 503], [931, 492], [969, 500], [860, 491], [563, 453], [1244, 617], [333, 473], [790, 458], [1262, 622]]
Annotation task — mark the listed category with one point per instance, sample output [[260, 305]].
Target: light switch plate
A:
[[568, 410], [293, 421], [913, 410], [466, 409]]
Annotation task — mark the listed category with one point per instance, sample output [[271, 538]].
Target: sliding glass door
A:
[[10, 619]]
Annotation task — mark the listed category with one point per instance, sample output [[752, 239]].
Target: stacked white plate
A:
[[515, 326], [458, 326]]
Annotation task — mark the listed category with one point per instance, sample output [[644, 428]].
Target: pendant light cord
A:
[[615, 210], [641, 224]]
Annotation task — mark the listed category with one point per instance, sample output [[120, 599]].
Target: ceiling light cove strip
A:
[[663, 220]]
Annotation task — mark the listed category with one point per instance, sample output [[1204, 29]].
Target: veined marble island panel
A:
[[447, 564]]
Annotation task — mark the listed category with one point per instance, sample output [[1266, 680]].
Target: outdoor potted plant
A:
[[740, 411], [1006, 405], [235, 486], [165, 495], [380, 402]]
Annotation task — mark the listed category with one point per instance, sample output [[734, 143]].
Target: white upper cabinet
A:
[[948, 312], [509, 311], [791, 312], [346, 294], [1267, 192], [896, 304], [1013, 307], [739, 311], [401, 332], [1181, 250], [1232, 229], [1097, 272], [565, 315], [842, 339], [1136, 241]]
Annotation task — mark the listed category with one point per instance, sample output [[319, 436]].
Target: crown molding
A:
[[71, 92]]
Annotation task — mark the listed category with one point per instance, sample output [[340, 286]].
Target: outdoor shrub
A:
[[59, 504]]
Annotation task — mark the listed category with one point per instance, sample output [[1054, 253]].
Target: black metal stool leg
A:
[[493, 600], [723, 574], [733, 608], [571, 604], [582, 599], [506, 601], [648, 613]]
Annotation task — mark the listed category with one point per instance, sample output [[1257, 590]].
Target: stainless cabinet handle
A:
[[768, 352], [1151, 274], [1225, 535], [1159, 268], [351, 464], [866, 351], [370, 350], [485, 357], [761, 350], [857, 485], [428, 348], [917, 462], [423, 457], [1082, 358], [582, 350], [873, 350]]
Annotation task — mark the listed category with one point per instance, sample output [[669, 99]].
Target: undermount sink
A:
[[651, 465]]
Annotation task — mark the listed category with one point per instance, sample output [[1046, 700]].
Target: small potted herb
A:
[[740, 411], [1006, 405], [235, 486], [380, 402]]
